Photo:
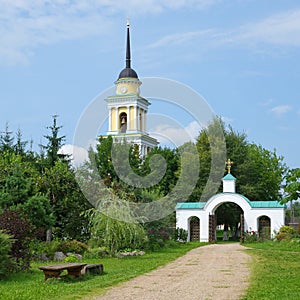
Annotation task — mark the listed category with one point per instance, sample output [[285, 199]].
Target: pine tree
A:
[[6, 140], [55, 142]]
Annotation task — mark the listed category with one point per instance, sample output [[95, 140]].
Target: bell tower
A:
[[128, 110]]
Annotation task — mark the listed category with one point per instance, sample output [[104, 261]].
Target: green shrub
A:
[[285, 233], [115, 234], [5, 248], [71, 258], [250, 237], [72, 246], [287, 229], [47, 248], [180, 234], [283, 236], [98, 252]]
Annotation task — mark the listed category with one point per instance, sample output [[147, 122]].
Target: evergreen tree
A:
[[6, 140], [20, 145], [55, 142]]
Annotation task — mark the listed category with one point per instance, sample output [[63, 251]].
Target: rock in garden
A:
[[59, 256]]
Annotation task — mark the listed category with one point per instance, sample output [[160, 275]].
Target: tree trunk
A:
[[49, 235]]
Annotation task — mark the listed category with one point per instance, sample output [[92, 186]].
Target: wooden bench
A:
[[74, 270]]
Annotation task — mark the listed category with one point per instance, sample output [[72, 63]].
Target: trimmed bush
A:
[[72, 246], [5, 248]]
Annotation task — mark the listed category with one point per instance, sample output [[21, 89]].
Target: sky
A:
[[242, 56]]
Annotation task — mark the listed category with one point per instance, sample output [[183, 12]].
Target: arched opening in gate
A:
[[264, 227], [229, 221], [194, 229]]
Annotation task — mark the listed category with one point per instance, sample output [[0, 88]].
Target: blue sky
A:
[[242, 56]]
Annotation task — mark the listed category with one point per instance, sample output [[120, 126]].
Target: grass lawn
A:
[[31, 286], [275, 271]]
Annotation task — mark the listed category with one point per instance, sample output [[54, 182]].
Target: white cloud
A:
[[276, 30], [281, 109], [24, 25], [174, 136], [226, 120], [266, 102], [78, 154], [180, 38], [279, 29]]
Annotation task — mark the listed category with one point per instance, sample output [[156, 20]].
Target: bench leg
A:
[[51, 274], [74, 272]]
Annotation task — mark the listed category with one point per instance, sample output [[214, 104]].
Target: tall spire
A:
[[128, 58], [128, 72]]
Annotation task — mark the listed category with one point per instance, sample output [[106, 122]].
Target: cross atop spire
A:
[[229, 163]]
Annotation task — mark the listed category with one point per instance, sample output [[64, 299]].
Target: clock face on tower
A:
[[123, 89]]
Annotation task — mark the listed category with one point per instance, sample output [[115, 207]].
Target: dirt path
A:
[[217, 272]]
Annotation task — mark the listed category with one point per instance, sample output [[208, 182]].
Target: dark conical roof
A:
[[128, 72]]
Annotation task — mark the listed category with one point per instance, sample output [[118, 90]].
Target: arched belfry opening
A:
[[123, 122], [228, 221]]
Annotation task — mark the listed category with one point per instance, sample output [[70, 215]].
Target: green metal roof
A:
[[253, 204], [190, 205], [266, 204], [229, 177]]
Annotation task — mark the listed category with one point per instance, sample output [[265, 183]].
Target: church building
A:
[[128, 110], [257, 217]]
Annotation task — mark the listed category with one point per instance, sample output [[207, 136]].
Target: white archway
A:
[[252, 211]]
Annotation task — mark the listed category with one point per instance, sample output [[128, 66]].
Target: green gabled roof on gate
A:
[[190, 205], [266, 204]]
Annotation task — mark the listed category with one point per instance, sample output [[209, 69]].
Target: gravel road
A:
[[217, 271]]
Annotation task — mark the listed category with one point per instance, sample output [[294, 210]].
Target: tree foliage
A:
[[114, 234], [42, 186], [16, 224], [5, 250], [259, 171], [292, 185]]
